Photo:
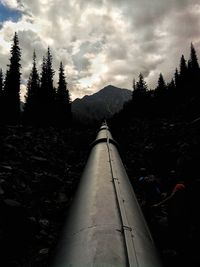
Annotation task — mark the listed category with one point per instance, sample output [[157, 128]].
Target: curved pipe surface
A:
[[105, 226]]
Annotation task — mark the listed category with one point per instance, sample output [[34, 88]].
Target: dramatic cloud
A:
[[102, 42]]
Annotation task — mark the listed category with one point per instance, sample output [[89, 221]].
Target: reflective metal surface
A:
[[105, 226]]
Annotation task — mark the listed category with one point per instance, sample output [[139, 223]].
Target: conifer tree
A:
[[171, 96], [32, 99], [171, 86], [193, 61], [194, 71], [160, 96], [141, 85], [183, 66], [46, 104], [140, 89], [43, 79], [140, 96], [176, 78], [62, 99], [12, 84], [183, 77], [161, 88]]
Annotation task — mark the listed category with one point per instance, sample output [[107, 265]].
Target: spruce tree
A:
[[139, 88], [183, 68], [62, 99], [32, 98], [193, 61], [176, 78], [171, 96], [161, 88], [160, 96], [140, 97], [43, 79], [171, 86], [183, 77], [194, 72], [50, 73], [141, 85], [46, 103], [12, 85]]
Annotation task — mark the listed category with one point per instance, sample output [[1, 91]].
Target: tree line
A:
[[180, 96], [45, 104]]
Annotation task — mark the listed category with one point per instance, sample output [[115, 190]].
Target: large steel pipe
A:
[[105, 226]]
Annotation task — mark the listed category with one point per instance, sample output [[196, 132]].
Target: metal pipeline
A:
[[105, 226]]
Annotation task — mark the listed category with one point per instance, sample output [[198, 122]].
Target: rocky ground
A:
[[39, 172], [168, 150]]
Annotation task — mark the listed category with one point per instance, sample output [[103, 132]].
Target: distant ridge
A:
[[102, 104]]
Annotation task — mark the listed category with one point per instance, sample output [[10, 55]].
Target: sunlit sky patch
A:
[[7, 13]]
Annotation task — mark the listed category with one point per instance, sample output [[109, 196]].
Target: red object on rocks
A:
[[179, 187]]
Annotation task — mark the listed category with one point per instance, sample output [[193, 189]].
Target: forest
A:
[[41, 160]]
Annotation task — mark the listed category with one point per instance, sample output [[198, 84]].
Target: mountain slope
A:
[[102, 104]]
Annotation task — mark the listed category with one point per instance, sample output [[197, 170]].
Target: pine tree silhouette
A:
[[194, 71], [12, 85], [161, 88], [171, 96], [63, 103], [183, 78], [161, 97], [32, 99], [176, 78], [183, 67], [141, 85], [194, 65], [171, 86], [46, 103], [140, 96]]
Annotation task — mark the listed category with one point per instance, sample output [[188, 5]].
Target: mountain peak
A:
[[102, 104], [111, 87]]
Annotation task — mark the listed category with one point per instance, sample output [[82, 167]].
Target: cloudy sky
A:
[[101, 42]]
